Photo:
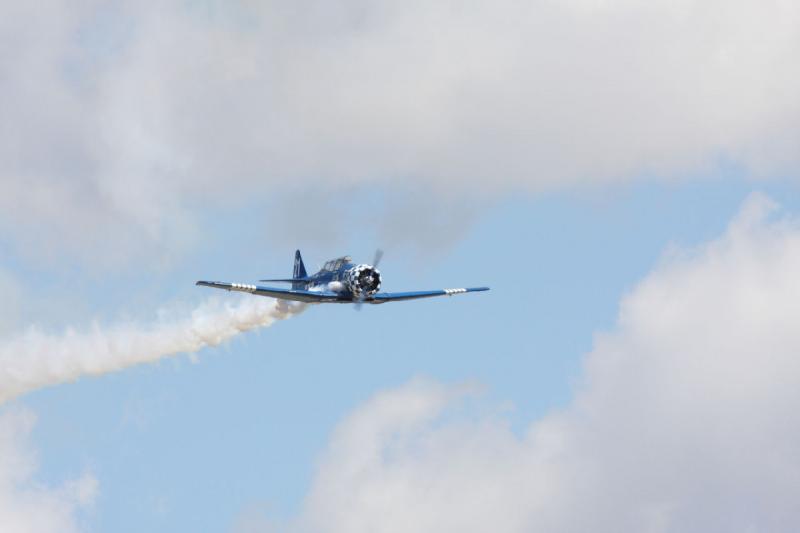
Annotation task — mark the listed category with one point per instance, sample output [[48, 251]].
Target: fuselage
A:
[[347, 279]]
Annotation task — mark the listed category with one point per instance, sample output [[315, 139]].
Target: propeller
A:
[[378, 257], [359, 303], [375, 261]]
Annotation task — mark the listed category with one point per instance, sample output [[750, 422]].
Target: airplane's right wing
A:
[[274, 292], [383, 297]]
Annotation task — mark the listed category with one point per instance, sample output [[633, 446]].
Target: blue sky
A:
[[192, 445], [609, 170]]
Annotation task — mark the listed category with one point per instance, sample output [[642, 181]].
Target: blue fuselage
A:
[[345, 278]]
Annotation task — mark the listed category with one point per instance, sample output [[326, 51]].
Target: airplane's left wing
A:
[[274, 292], [383, 297]]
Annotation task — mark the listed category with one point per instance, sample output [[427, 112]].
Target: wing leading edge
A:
[[383, 297], [296, 295]]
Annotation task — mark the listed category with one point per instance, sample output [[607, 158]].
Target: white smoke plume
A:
[[34, 359]]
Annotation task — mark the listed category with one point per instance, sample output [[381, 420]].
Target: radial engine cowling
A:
[[363, 280]]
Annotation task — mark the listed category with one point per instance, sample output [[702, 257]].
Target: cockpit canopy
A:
[[336, 264]]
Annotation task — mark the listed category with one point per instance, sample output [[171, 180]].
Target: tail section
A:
[[299, 271]]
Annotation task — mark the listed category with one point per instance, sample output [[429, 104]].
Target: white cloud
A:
[[685, 419], [11, 292], [26, 505], [121, 122]]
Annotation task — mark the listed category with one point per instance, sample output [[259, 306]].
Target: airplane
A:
[[339, 281]]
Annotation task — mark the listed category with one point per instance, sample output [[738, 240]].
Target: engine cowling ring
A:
[[363, 280]]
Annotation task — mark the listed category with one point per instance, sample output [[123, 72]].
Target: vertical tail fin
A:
[[299, 271]]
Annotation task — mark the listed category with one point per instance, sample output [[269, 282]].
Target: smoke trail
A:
[[34, 359]]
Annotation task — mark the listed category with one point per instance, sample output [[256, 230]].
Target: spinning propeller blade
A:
[[377, 259]]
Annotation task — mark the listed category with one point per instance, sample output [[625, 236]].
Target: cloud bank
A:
[[123, 121], [27, 506], [685, 419]]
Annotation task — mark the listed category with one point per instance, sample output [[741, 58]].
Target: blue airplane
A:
[[339, 281]]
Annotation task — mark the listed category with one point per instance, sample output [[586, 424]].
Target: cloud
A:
[[123, 122], [12, 293], [684, 420], [26, 505]]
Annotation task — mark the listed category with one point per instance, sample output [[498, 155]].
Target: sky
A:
[[623, 175]]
